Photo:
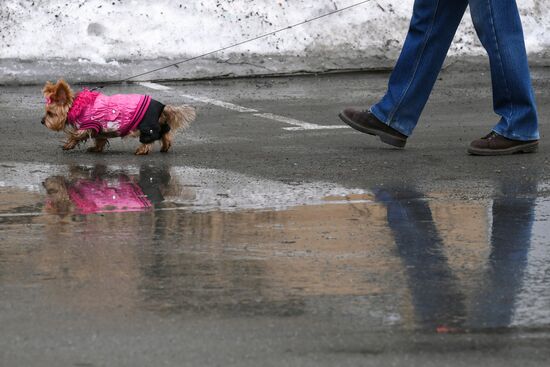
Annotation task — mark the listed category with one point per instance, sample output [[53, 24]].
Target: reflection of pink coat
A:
[[99, 196], [119, 114]]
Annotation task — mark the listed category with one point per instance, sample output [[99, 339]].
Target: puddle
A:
[[88, 190], [201, 242]]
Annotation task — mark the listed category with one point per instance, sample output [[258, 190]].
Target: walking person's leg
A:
[[498, 26], [433, 26]]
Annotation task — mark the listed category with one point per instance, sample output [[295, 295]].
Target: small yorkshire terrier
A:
[[90, 114]]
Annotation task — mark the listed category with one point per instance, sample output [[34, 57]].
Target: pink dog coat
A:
[[120, 113]]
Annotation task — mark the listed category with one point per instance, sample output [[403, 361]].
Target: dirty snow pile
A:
[[102, 31]]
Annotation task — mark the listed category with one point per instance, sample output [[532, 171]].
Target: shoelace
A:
[[491, 135]]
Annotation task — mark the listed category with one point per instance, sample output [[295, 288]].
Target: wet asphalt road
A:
[[265, 238]]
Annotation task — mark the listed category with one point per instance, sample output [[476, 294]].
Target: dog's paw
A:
[[71, 144], [143, 149], [165, 147], [165, 142]]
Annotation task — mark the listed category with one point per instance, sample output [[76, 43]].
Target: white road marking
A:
[[154, 86], [317, 127], [287, 120], [298, 125], [226, 105]]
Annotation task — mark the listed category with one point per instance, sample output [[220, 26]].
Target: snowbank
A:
[[109, 33]]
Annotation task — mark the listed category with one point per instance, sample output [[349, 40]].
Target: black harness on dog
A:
[[149, 128]]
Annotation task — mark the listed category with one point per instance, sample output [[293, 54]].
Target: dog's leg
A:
[[99, 145], [175, 117], [76, 137], [144, 149], [70, 144], [166, 142]]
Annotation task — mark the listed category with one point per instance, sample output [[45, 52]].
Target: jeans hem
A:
[[385, 121], [516, 137]]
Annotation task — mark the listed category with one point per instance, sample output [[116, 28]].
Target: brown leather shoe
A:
[[495, 144], [367, 123]]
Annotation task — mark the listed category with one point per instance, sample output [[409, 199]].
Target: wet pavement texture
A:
[[249, 244]]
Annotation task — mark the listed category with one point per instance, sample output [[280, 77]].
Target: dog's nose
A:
[[43, 122]]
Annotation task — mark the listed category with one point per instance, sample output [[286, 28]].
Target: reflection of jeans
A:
[[513, 218], [433, 26], [436, 295], [437, 299]]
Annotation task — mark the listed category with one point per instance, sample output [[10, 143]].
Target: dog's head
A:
[[59, 98]]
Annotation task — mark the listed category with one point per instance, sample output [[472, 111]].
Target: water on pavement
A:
[[190, 241]]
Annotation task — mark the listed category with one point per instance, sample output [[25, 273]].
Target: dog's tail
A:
[[178, 117]]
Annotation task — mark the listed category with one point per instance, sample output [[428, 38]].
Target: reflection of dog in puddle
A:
[[96, 190], [90, 114]]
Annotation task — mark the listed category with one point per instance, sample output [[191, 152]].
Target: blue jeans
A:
[[433, 26]]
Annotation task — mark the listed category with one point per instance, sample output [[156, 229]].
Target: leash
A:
[[243, 42]]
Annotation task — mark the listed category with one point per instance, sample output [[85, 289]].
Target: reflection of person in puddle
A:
[[436, 297], [438, 302], [97, 190], [513, 217]]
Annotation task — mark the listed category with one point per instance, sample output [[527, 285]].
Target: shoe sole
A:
[[384, 137], [524, 148]]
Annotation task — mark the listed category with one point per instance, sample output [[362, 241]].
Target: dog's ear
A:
[[63, 93], [49, 89]]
